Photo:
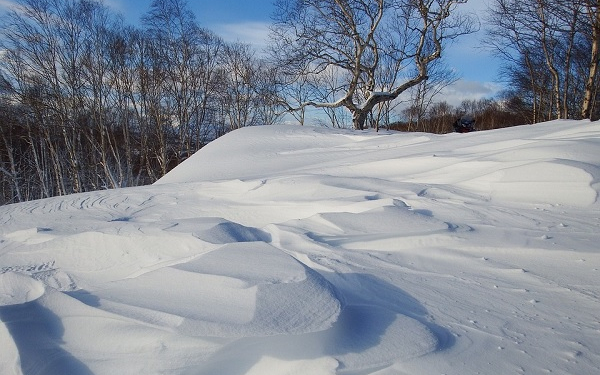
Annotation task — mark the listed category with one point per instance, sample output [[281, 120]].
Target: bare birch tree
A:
[[355, 35]]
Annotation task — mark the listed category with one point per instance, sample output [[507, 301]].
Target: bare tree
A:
[[354, 36], [423, 94], [509, 39], [189, 56], [239, 90], [266, 90], [299, 91], [441, 116], [550, 49], [329, 86]]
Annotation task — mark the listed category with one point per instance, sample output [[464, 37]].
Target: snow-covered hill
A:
[[301, 250]]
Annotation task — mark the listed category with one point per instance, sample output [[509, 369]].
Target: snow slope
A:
[[301, 250]]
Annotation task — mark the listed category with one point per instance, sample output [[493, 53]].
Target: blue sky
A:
[[248, 21], [208, 13]]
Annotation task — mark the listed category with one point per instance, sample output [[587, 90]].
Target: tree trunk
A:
[[548, 54], [359, 117], [595, 56], [360, 114]]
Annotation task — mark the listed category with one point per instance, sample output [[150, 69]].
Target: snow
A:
[[302, 250], [16, 289]]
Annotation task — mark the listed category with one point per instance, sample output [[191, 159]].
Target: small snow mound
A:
[[240, 289], [16, 288], [220, 231], [254, 264], [290, 298]]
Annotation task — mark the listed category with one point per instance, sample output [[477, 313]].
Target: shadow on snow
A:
[[37, 333]]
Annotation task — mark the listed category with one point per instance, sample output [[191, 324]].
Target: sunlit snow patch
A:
[[538, 182]]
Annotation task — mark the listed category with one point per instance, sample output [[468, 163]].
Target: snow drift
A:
[[288, 250]]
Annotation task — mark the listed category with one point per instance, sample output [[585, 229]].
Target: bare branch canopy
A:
[[360, 39]]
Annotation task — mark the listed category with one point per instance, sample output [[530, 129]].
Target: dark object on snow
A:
[[464, 124]]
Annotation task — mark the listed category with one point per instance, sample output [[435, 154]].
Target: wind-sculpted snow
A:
[[300, 250], [218, 295], [16, 288]]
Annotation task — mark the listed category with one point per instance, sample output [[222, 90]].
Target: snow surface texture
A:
[[300, 250]]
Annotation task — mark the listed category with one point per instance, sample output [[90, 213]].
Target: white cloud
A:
[[468, 90]]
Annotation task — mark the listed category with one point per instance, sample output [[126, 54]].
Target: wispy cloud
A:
[[7, 5], [115, 5], [255, 33]]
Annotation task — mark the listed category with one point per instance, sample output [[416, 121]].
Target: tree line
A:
[[88, 102], [440, 116]]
